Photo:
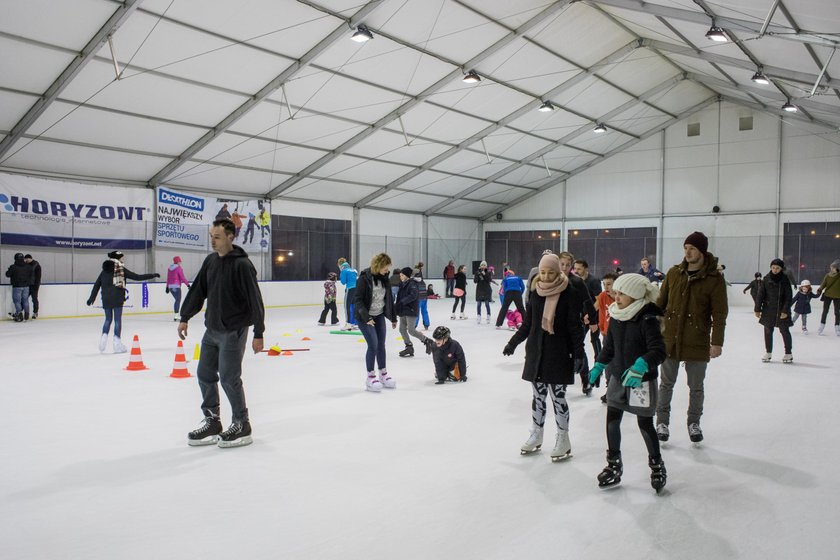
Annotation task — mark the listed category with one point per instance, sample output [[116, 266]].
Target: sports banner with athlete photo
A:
[[184, 220], [51, 213]]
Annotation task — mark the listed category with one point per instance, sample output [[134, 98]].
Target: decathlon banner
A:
[[52, 213], [184, 220]]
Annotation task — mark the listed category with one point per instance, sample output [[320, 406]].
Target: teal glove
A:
[[631, 378], [595, 372], [640, 365]]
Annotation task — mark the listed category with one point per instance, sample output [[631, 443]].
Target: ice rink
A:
[[96, 465]]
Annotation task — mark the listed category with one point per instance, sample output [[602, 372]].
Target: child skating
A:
[[407, 307], [632, 351], [329, 301], [802, 304], [554, 347], [448, 355]]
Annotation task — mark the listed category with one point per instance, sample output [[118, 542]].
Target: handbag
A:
[[458, 292]]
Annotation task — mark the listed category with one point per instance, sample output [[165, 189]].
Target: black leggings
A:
[[614, 416], [768, 338], [826, 306], [463, 299]]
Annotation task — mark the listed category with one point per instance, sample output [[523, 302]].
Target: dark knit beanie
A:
[[407, 271], [698, 240], [778, 262], [115, 254]]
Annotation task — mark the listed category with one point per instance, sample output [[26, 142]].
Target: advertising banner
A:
[[52, 213], [184, 220]]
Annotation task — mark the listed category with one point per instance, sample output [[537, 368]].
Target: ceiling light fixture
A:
[[362, 34], [715, 33], [547, 107], [789, 107], [760, 78], [599, 128], [471, 77]]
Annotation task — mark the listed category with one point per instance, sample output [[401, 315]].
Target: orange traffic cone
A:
[[135, 360], [179, 369], [274, 350], [286, 353], [306, 338]]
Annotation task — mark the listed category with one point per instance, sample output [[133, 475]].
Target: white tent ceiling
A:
[[271, 98]]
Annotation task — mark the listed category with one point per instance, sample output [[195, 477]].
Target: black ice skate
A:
[[695, 434], [658, 474], [408, 352], [610, 477], [207, 433], [237, 435]]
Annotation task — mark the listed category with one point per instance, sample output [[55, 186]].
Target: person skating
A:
[[227, 281], [752, 287], [449, 278], [373, 308], [829, 292], [348, 277], [20, 276], [772, 309], [174, 279], [551, 326], [802, 304], [693, 298], [422, 297], [36, 283], [587, 310], [483, 292], [459, 292], [632, 351], [448, 355], [406, 309], [112, 283], [329, 301], [512, 289]]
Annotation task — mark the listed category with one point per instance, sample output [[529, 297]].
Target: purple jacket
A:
[[175, 276]]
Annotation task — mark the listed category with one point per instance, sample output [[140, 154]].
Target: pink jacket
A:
[[175, 276]]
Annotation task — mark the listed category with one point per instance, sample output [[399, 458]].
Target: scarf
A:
[[551, 293], [119, 274], [628, 312]]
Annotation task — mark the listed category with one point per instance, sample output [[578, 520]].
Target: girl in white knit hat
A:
[[633, 349]]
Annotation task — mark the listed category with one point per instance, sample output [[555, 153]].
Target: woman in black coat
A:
[[112, 282], [772, 307], [373, 307], [554, 344], [483, 292], [460, 288]]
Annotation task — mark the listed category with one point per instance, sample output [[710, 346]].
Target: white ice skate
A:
[[837, 330], [103, 342], [452, 316], [821, 329], [463, 316], [534, 441], [478, 320], [373, 384], [787, 359], [386, 380], [119, 347], [177, 318], [767, 357], [488, 320], [562, 447]]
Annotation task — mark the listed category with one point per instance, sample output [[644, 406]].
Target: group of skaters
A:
[[24, 275]]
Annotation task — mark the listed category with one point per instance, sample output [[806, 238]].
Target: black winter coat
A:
[[36, 273], [550, 358], [407, 299], [640, 337], [113, 296], [20, 274], [229, 285], [802, 302], [483, 291], [775, 296], [461, 281], [364, 294]]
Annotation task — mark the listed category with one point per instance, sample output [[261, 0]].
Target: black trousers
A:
[[768, 338], [513, 297], [33, 293], [614, 416]]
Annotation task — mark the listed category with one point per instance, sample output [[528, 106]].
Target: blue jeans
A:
[[424, 311], [375, 338], [20, 297], [115, 314], [221, 358], [450, 287], [176, 293], [349, 306]]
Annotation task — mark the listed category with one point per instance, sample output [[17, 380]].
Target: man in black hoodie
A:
[[36, 283], [20, 276], [228, 281]]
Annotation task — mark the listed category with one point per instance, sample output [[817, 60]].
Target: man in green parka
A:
[[693, 298]]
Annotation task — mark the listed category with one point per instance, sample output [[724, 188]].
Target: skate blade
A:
[[526, 452], [209, 440], [374, 389], [660, 491], [609, 486], [558, 458], [239, 442]]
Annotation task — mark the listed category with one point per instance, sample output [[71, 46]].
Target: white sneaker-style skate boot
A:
[[463, 316], [478, 320], [767, 357], [386, 380], [451, 317], [821, 329], [562, 447], [488, 320], [373, 384], [119, 347], [103, 342], [534, 441], [787, 359]]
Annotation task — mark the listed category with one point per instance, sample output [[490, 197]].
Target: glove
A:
[[508, 351], [157, 275], [167, 289], [631, 378], [90, 302], [595, 372]]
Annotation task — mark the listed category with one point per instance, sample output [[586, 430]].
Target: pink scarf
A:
[[551, 292]]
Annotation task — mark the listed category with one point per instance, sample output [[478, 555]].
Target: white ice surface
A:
[[95, 463]]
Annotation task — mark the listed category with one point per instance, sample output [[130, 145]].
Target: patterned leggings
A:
[[558, 398]]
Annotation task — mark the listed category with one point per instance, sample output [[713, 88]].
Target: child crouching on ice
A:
[[450, 362], [632, 351], [514, 319]]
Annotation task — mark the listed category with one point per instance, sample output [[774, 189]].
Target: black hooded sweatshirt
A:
[[229, 284], [20, 274]]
